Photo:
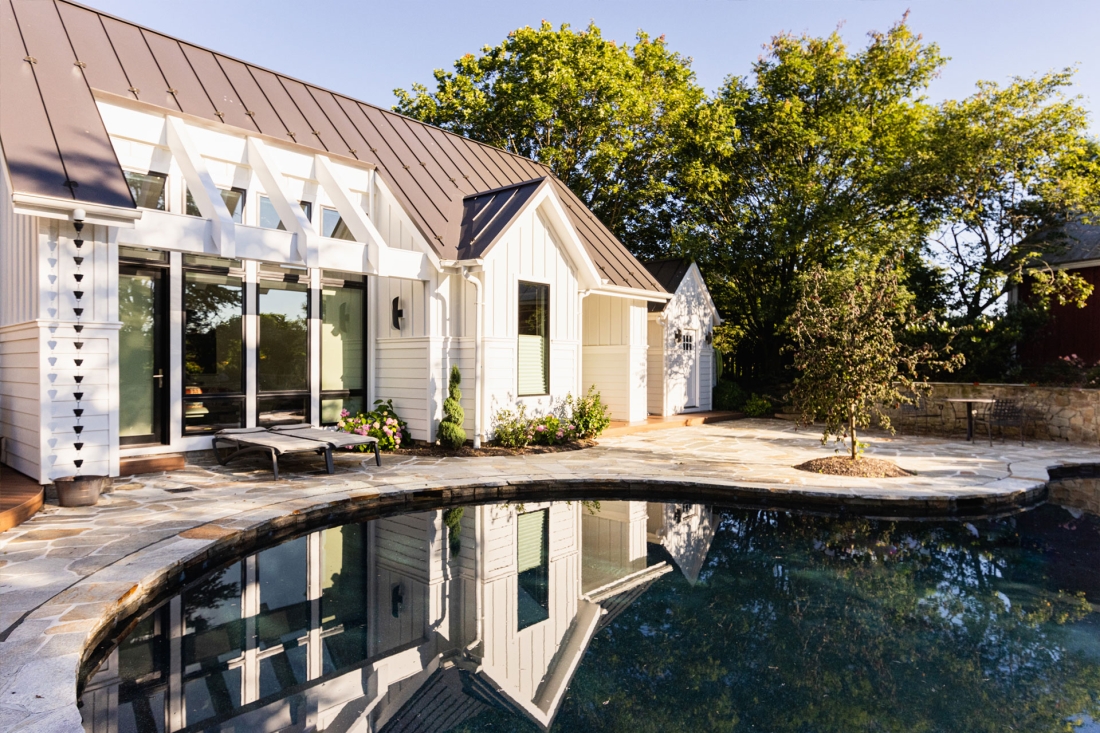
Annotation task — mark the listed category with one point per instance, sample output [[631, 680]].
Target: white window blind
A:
[[532, 365], [532, 539]]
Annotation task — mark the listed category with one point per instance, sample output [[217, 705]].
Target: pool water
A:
[[627, 616]]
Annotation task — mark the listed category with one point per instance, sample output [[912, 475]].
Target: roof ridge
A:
[[498, 189]]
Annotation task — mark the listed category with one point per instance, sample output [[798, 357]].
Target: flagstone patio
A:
[[67, 574]]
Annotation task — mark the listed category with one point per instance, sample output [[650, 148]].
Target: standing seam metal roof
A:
[[53, 53]]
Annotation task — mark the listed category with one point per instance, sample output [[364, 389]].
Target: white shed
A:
[[681, 366]]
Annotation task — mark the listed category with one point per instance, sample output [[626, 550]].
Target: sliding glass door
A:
[[142, 309], [213, 344], [282, 361], [343, 341]]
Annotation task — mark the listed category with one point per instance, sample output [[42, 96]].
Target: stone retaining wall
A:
[[1068, 414], [1080, 493]]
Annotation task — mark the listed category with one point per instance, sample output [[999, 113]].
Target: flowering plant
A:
[[381, 423]]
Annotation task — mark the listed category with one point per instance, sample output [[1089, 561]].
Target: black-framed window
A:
[[234, 199], [333, 226], [148, 189], [533, 348], [269, 217], [213, 344], [343, 344], [533, 565], [143, 284], [282, 356]]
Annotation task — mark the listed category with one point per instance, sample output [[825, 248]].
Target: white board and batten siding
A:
[[20, 342], [614, 358], [690, 311], [528, 252], [517, 658]]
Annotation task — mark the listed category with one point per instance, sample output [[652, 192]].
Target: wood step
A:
[[134, 465], [20, 498]]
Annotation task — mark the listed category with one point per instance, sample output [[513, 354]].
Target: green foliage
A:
[[813, 169], [452, 520], [849, 362], [590, 415], [729, 396], [604, 116], [381, 423], [576, 420], [513, 429], [451, 433], [757, 406], [1006, 169]]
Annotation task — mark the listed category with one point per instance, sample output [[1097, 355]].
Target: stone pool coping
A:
[[67, 577]]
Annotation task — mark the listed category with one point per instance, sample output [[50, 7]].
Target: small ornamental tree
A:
[[451, 433], [850, 364]]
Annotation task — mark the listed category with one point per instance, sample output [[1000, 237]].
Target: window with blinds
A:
[[533, 349], [533, 563]]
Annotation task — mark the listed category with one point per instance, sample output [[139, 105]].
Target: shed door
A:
[[691, 368]]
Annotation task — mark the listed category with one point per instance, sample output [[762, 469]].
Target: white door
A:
[[691, 368]]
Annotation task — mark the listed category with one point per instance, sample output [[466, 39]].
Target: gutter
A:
[[479, 371]]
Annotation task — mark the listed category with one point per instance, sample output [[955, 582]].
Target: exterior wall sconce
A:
[[397, 601], [679, 336], [397, 314], [710, 337]]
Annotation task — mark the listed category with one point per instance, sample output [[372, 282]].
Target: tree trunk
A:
[[852, 431]]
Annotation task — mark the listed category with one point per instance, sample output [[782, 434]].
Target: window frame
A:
[[520, 282], [164, 192], [307, 393], [345, 393], [240, 397], [189, 199]]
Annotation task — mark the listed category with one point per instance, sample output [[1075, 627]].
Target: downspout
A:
[[478, 372], [581, 392]]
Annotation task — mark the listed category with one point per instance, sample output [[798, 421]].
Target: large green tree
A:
[[606, 117], [815, 169], [1008, 168]]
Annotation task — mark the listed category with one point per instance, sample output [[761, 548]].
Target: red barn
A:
[[1071, 330]]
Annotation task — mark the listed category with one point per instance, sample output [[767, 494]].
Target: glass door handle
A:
[[159, 376]]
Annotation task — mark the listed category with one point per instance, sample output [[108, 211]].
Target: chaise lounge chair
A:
[[277, 442], [335, 438]]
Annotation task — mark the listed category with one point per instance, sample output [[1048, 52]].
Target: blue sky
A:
[[365, 49]]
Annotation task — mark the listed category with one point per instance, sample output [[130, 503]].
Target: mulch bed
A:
[[863, 467], [466, 451]]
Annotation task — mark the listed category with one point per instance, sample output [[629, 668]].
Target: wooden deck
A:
[[20, 498], [682, 420]]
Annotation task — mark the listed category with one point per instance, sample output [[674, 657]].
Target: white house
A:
[[682, 370], [189, 242]]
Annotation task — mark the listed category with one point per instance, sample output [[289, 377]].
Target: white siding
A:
[[614, 357], [655, 368], [18, 259], [689, 310], [529, 252], [20, 388]]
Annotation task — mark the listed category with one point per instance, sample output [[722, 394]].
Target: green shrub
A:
[[452, 519], [757, 406], [381, 423], [513, 429], [451, 434], [729, 396], [588, 414]]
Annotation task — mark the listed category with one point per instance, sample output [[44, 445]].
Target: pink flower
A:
[[361, 430], [344, 413], [388, 432], [376, 426], [541, 428], [560, 433]]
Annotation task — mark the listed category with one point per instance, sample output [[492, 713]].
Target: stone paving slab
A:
[[67, 575]]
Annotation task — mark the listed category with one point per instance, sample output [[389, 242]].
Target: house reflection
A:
[[388, 626]]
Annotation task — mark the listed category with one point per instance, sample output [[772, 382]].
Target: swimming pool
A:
[[625, 615]]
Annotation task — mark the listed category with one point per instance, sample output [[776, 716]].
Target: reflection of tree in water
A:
[[208, 596], [805, 624]]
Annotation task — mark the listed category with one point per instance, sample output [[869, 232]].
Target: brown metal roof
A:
[[52, 134], [486, 215], [670, 273]]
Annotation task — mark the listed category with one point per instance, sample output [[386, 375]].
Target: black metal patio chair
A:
[[1002, 414]]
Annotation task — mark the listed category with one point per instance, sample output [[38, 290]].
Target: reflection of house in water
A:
[[685, 531], [375, 626]]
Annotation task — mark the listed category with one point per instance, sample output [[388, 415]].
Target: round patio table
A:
[[970, 402]]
